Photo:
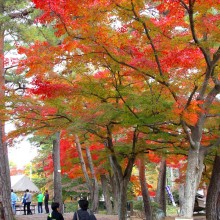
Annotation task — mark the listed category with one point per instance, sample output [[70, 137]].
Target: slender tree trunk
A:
[[95, 186], [57, 172], [213, 191], [144, 190], [89, 183], [161, 184], [218, 207], [5, 183], [106, 194], [115, 193]]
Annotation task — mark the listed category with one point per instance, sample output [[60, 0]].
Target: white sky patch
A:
[[22, 152]]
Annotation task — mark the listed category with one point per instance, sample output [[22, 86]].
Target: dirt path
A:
[[69, 216]]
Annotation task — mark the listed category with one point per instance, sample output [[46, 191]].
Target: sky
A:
[[21, 153]]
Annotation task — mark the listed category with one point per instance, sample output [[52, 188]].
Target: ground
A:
[[69, 216]]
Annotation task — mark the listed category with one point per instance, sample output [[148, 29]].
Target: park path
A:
[[69, 216]]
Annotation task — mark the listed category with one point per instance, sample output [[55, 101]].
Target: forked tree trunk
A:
[[57, 172], [144, 190], [92, 186], [95, 186], [122, 184], [161, 186], [193, 175], [5, 183], [106, 193], [213, 192]]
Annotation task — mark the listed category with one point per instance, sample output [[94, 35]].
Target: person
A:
[[83, 213], [24, 202], [13, 201], [46, 200], [55, 215], [28, 201], [40, 198]]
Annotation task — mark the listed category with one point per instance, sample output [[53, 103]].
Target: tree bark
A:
[[195, 167], [161, 184], [95, 186], [57, 172], [213, 192], [115, 193], [90, 185], [144, 190], [5, 183], [106, 193]]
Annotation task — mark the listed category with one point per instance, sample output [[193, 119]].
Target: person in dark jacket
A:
[[55, 215], [83, 213], [46, 200]]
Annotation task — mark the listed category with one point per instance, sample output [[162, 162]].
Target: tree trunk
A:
[[90, 185], [161, 184], [95, 186], [218, 207], [106, 194], [57, 172], [115, 193], [213, 191], [5, 183], [144, 190], [181, 195], [193, 176]]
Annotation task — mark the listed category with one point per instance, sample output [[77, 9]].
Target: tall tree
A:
[[57, 172], [212, 201]]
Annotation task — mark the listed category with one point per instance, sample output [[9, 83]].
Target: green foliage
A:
[[70, 206], [138, 205]]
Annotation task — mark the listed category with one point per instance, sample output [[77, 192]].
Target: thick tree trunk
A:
[[57, 172], [95, 186], [193, 176], [213, 192], [106, 193], [5, 183], [144, 190], [161, 186]]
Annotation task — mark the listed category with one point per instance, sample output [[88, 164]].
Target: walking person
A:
[[24, 202], [83, 213], [46, 200], [55, 215], [13, 201], [28, 201], [40, 198]]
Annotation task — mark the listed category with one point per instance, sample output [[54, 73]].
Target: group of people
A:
[[82, 214], [27, 199]]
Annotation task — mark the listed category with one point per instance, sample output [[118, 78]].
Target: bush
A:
[[138, 205]]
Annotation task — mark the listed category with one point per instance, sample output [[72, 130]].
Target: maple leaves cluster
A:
[[118, 64]]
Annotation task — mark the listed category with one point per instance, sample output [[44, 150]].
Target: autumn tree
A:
[[171, 48]]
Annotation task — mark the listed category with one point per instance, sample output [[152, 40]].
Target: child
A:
[[83, 213], [55, 215]]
